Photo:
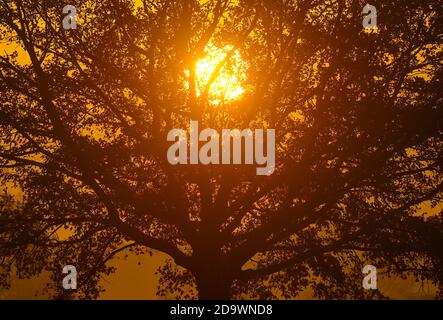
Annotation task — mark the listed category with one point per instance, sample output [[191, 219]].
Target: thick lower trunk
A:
[[213, 273], [213, 286]]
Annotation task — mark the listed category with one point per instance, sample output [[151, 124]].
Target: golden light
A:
[[228, 86]]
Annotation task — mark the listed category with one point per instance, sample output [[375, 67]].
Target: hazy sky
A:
[[134, 281]]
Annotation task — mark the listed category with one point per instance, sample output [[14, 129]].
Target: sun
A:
[[228, 86]]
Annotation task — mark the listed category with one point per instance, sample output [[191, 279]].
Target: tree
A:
[[85, 113]]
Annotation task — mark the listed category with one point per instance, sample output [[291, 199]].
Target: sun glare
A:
[[229, 84]]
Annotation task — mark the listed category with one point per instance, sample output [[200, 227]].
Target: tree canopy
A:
[[84, 115]]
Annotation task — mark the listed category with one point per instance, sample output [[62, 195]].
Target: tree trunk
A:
[[213, 285]]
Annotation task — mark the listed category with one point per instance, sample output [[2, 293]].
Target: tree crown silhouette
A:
[[84, 116]]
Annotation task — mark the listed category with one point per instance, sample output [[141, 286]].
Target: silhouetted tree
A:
[[84, 116]]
